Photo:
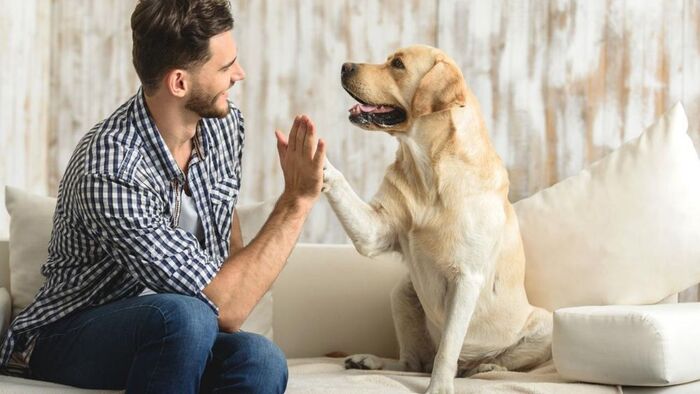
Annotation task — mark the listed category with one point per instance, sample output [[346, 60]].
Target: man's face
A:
[[212, 80]]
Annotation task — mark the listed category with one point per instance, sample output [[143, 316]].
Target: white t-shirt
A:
[[188, 221]]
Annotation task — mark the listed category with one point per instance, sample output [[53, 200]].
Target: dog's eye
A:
[[397, 63]]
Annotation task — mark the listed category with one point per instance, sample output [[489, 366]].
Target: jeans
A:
[[161, 343]]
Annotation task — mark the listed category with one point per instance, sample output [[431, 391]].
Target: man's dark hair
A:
[[169, 34]]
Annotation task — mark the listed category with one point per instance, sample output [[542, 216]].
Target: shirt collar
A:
[[146, 126]]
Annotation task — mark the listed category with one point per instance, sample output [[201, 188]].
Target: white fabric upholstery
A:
[[330, 298], [12, 385], [640, 345], [31, 218], [326, 375], [624, 231], [252, 216]]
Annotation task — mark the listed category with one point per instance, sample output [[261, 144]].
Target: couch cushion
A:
[[327, 375], [30, 230], [640, 345], [330, 298], [626, 230], [13, 385]]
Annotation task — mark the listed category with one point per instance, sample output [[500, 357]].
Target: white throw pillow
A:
[[31, 221], [252, 217], [626, 230], [637, 345]]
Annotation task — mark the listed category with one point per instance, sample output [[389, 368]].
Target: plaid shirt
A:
[[115, 226]]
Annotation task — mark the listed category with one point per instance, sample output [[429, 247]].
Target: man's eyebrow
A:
[[229, 64]]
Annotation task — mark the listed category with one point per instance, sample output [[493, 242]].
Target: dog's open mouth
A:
[[364, 114]]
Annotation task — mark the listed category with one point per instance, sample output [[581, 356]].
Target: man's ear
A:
[[442, 87], [177, 82]]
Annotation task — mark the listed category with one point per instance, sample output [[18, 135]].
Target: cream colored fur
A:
[[443, 205]]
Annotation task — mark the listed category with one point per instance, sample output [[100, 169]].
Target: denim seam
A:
[[155, 367]]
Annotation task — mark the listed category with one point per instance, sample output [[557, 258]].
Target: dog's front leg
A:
[[365, 225], [462, 294]]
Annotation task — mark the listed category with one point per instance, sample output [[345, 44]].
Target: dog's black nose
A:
[[348, 69]]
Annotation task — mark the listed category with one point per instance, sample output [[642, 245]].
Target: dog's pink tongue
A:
[[375, 108], [357, 108]]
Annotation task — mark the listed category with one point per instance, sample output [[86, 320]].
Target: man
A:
[[147, 281]]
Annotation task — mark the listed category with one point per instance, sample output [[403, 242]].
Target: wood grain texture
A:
[[561, 82], [24, 98], [293, 62], [91, 71]]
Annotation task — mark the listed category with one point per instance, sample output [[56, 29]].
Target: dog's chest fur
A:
[[446, 230]]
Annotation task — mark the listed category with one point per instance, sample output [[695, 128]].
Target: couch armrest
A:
[[330, 298], [5, 311], [634, 345]]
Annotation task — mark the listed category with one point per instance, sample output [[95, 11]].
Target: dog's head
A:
[[413, 82]]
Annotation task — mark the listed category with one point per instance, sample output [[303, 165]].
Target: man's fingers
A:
[[320, 157], [281, 144], [281, 138], [292, 142], [301, 133], [310, 140]]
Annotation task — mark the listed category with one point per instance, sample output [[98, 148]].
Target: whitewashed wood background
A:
[[561, 82]]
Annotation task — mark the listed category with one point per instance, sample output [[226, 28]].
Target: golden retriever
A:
[[443, 205]]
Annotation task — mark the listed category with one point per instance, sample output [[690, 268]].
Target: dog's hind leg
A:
[[416, 349], [534, 346]]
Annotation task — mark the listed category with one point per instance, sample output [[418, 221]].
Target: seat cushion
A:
[[637, 345], [13, 385], [626, 230], [327, 375], [30, 230]]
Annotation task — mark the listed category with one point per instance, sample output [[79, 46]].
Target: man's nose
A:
[[348, 69], [238, 74]]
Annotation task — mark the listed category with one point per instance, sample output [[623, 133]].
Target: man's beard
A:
[[204, 105]]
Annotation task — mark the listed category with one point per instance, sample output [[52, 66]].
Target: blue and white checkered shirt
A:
[[115, 227]]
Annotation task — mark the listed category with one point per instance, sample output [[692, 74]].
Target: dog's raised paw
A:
[[363, 361], [330, 176]]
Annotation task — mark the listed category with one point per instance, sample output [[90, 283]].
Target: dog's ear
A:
[[441, 88]]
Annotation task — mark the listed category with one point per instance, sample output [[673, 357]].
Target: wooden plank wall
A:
[[91, 71], [24, 98], [561, 82], [297, 70]]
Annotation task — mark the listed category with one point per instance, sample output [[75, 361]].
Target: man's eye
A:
[[397, 63]]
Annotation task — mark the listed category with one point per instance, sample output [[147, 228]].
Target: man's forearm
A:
[[246, 275]]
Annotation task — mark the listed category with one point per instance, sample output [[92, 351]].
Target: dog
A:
[[443, 205]]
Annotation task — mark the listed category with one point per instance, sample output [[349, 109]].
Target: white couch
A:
[[626, 230], [329, 298]]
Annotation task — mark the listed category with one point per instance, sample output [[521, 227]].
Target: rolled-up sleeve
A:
[[129, 222]]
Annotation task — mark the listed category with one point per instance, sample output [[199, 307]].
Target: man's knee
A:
[[259, 360], [185, 321], [257, 347]]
